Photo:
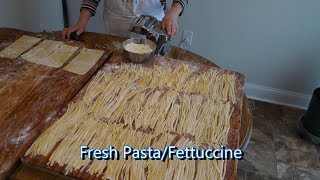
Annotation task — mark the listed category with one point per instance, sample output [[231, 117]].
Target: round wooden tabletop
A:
[[25, 172]]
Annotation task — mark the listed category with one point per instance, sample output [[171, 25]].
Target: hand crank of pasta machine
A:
[[151, 28]]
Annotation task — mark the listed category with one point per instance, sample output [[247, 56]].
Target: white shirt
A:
[[119, 13]]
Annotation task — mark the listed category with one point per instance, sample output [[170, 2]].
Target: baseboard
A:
[[277, 96]]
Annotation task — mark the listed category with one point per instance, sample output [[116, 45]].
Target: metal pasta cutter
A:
[[151, 28]]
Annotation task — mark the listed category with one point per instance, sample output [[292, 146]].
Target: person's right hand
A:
[[78, 28]]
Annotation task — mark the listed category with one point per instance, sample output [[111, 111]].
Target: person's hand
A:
[[170, 20], [170, 23], [78, 28]]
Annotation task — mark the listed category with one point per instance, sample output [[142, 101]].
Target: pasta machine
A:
[[150, 27]]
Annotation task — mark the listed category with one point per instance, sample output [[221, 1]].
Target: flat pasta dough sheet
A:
[[84, 61], [50, 53], [19, 46]]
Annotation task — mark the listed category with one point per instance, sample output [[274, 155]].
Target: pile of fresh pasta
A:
[[141, 107]]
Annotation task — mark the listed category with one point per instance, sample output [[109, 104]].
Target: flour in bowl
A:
[[138, 48]]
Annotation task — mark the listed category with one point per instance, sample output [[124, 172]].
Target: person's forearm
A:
[[176, 9], [182, 3], [85, 15], [80, 26], [169, 22], [90, 5]]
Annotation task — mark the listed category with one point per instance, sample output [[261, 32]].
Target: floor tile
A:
[[241, 174], [292, 149], [266, 116], [258, 109], [318, 151], [290, 138], [252, 104], [291, 115], [262, 124], [256, 176], [256, 105], [300, 173], [276, 150], [252, 176], [283, 154], [272, 112], [306, 159], [263, 137], [259, 157], [262, 177], [284, 171], [289, 118], [282, 123]]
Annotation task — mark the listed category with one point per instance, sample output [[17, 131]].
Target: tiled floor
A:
[[276, 151]]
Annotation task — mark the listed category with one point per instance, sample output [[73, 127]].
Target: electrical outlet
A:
[[43, 27], [187, 38]]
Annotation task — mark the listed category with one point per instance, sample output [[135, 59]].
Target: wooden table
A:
[[29, 113]]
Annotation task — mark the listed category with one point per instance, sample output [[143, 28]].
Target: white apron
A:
[[119, 13]]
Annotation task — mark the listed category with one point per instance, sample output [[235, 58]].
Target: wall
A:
[[31, 15], [274, 43]]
